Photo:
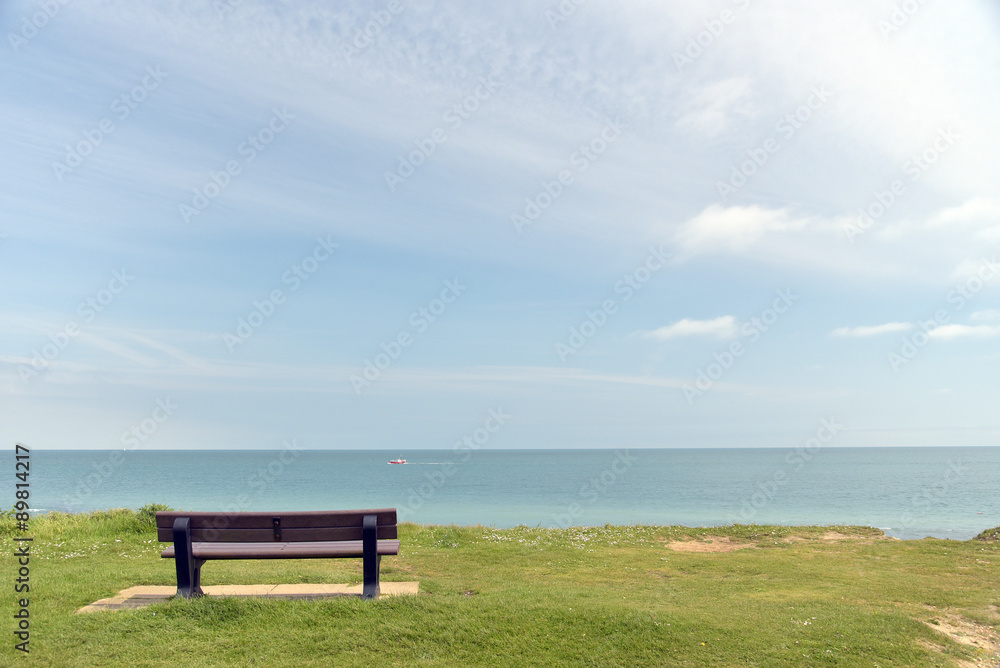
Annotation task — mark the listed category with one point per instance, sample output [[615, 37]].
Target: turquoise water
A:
[[908, 492]]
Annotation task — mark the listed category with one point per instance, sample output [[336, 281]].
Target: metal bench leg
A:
[[372, 560], [188, 568]]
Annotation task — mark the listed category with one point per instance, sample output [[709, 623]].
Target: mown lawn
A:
[[601, 596]]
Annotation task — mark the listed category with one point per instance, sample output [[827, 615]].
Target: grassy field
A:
[[602, 596]]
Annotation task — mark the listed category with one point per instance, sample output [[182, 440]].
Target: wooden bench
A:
[[200, 537]]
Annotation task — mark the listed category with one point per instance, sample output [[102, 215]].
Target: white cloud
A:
[[872, 330], [990, 234], [948, 332], [977, 216], [982, 268], [987, 315], [974, 210], [911, 248], [736, 228], [724, 327]]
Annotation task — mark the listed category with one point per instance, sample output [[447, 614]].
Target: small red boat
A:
[[397, 461]]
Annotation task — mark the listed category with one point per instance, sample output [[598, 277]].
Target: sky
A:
[[402, 225]]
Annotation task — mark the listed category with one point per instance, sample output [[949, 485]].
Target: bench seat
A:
[[330, 549]]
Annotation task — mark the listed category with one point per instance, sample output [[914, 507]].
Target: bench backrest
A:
[[284, 526]]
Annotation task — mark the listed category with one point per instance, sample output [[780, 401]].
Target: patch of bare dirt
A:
[[835, 535], [708, 544], [932, 646], [966, 632]]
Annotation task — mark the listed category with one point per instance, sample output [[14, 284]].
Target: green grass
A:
[[603, 596]]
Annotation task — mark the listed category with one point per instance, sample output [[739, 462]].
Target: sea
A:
[[910, 493]]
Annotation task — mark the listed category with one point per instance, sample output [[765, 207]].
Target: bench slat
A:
[[289, 519], [287, 535], [273, 550]]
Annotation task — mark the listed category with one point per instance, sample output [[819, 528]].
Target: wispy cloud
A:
[[987, 315], [872, 330], [948, 332], [940, 333], [724, 327], [716, 107], [974, 210]]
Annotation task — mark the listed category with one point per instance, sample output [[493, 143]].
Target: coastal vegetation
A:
[[741, 595]]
